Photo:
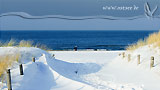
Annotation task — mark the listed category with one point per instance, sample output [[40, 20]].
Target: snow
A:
[[83, 70]]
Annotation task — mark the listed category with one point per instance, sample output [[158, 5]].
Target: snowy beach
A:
[[82, 70], [79, 45]]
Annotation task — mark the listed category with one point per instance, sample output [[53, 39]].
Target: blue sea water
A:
[[64, 40]]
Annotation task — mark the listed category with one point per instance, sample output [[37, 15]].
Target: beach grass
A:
[[23, 43], [6, 61], [152, 39], [9, 43]]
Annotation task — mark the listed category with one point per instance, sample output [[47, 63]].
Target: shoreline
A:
[[86, 50]]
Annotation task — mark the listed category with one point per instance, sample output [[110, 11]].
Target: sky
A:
[[78, 8], [18, 23], [75, 7]]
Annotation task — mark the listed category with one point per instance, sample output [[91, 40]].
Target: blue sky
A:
[[18, 23], [74, 7]]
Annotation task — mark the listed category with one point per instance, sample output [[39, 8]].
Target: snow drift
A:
[[84, 70], [48, 73]]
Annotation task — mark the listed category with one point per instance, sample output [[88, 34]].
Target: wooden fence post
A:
[[138, 59], [95, 49], [21, 69], [53, 55], [152, 62], [75, 48], [123, 54], [129, 57], [9, 80], [33, 59]]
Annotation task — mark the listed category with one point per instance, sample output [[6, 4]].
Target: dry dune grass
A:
[[22, 43], [12, 42], [6, 61], [152, 39]]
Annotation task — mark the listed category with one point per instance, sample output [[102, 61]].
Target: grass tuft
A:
[[22, 43], [152, 39], [6, 61], [9, 43]]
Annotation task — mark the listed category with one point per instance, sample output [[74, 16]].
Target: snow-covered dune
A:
[[77, 70], [38, 75]]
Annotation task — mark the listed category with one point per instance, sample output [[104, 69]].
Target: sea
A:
[[67, 40]]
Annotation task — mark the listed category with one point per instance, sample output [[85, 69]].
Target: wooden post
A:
[[33, 59], [75, 48], [95, 49], [123, 54], [152, 62], [9, 80], [53, 55], [21, 69], [138, 60], [129, 57]]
